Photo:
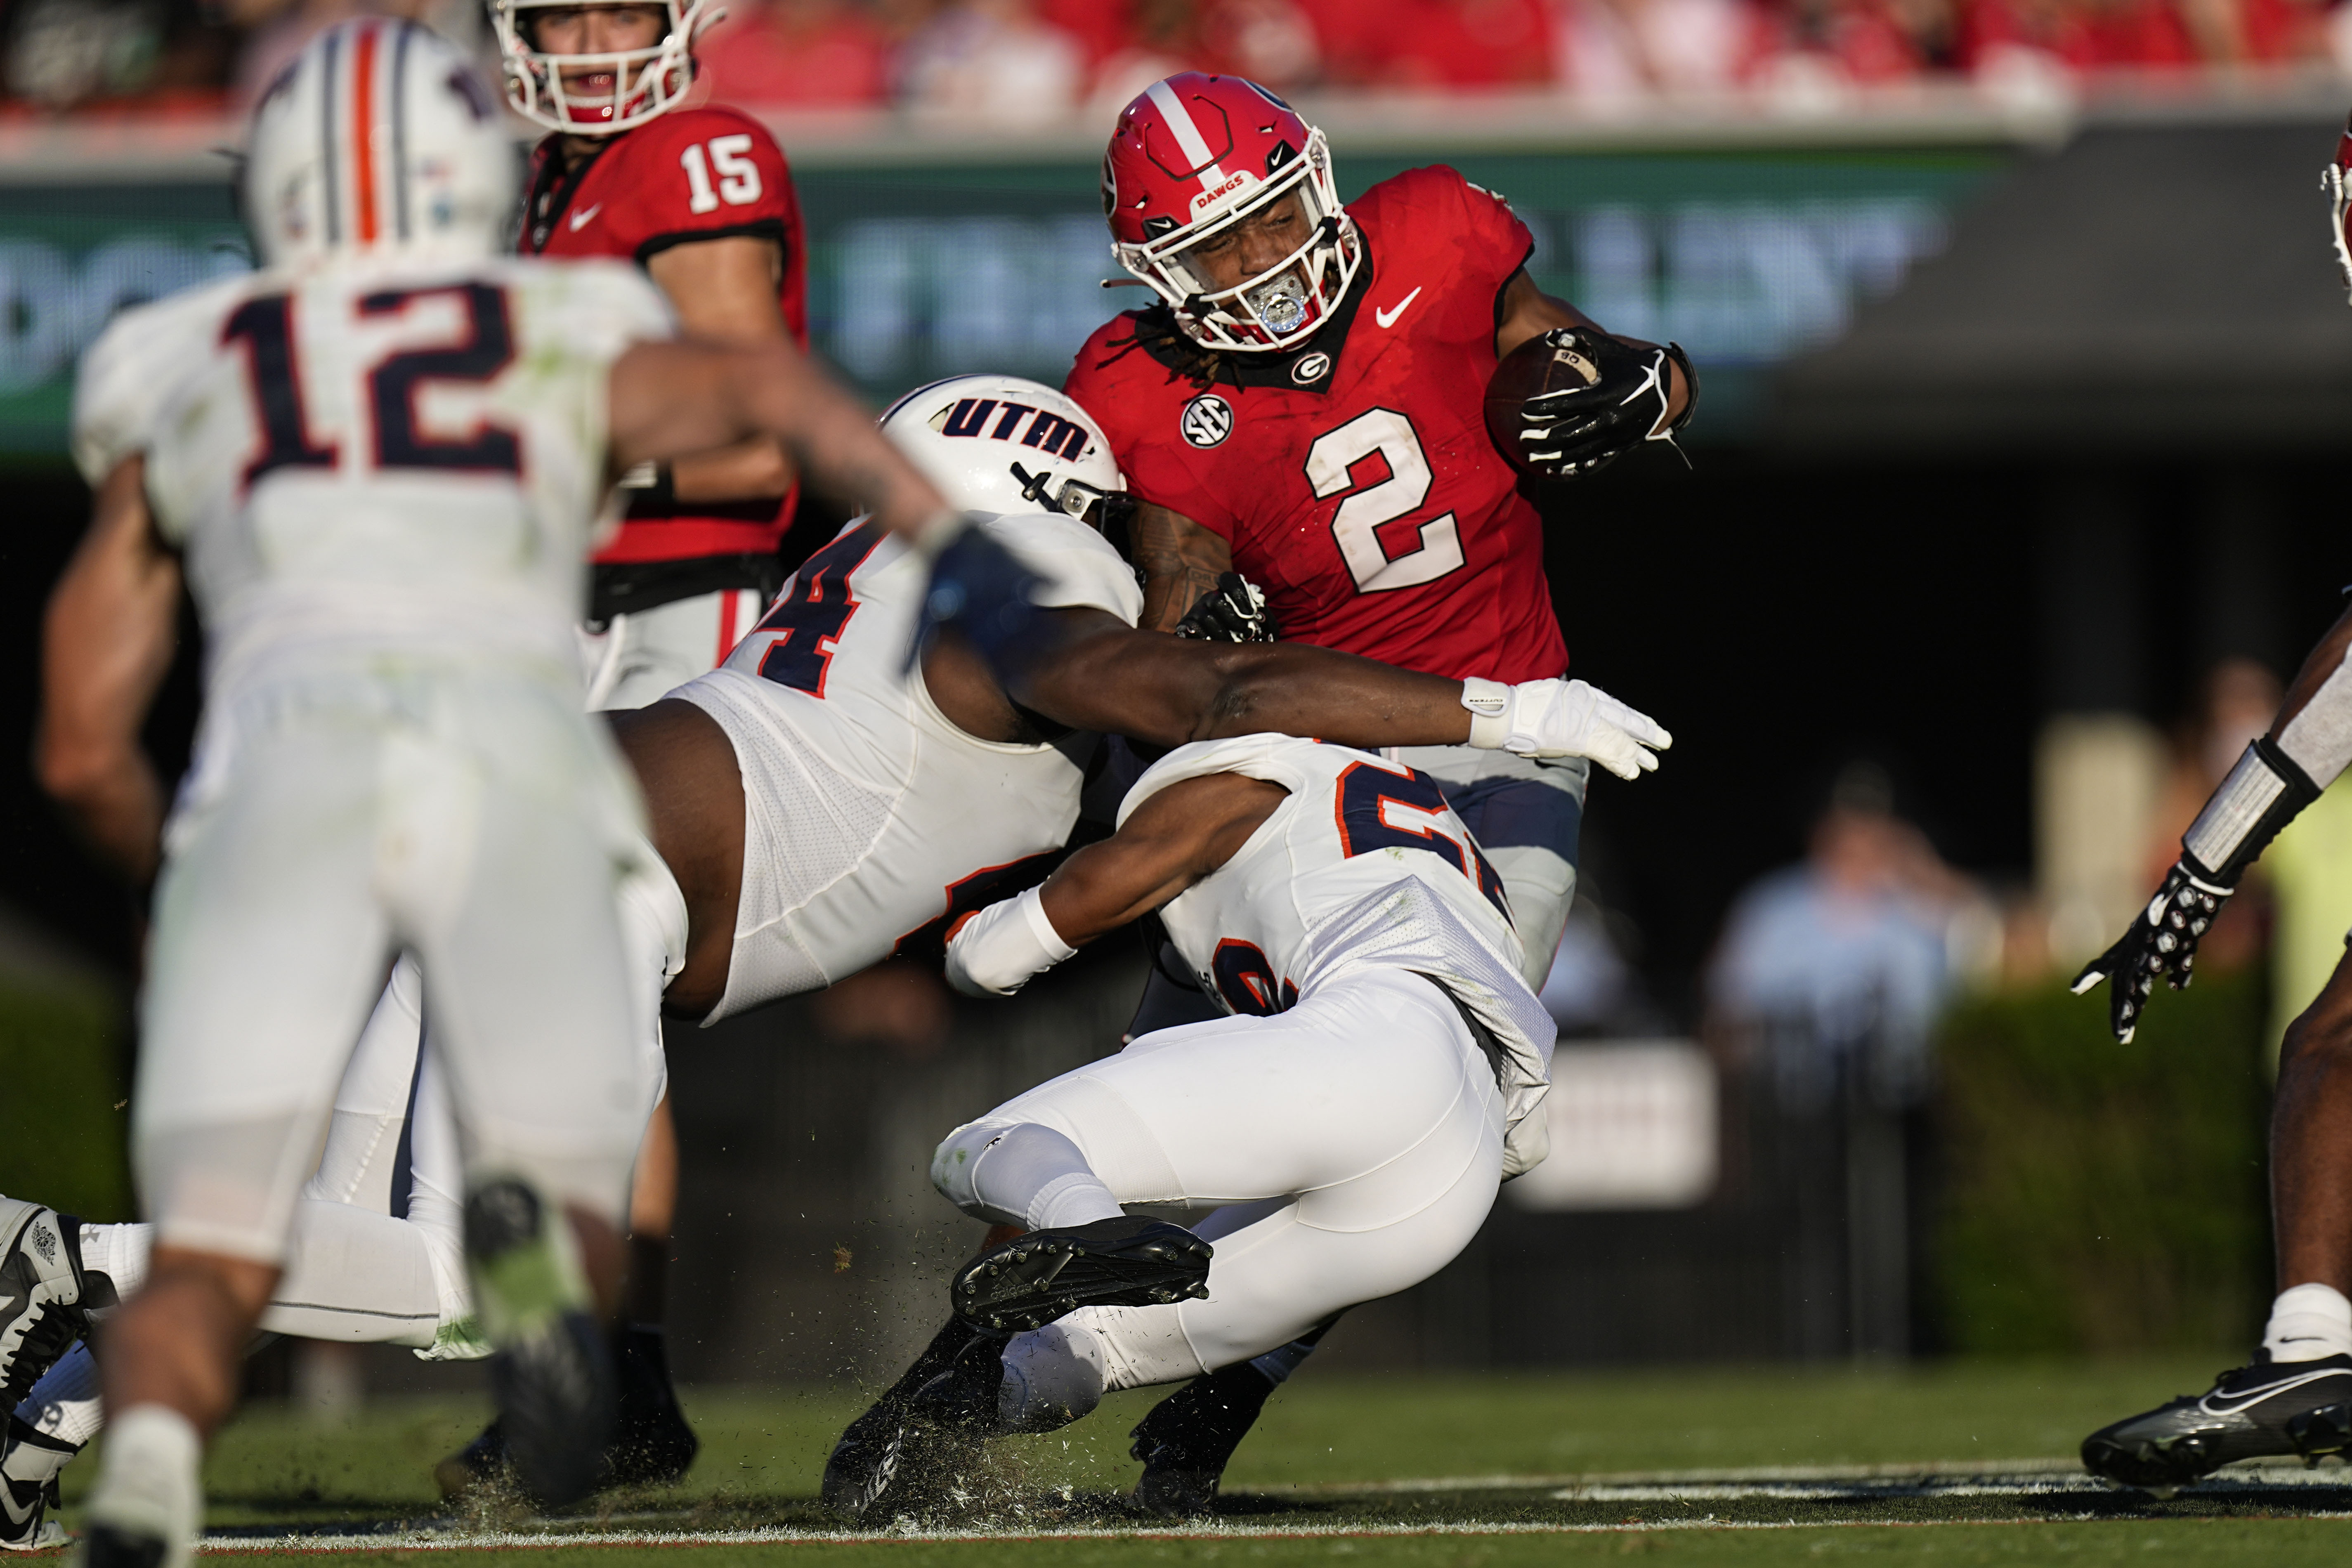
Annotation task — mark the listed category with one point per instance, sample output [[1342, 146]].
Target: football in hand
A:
[[1534, 368]]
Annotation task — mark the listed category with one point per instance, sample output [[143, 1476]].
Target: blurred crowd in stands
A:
[[1037, 61]]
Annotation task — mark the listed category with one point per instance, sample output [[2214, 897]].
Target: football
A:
[[1535, 367]]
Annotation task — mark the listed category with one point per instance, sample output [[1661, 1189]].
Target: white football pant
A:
[[644, 656], [477, 822], [1352, 1147]]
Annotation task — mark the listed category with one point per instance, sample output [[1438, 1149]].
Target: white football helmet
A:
[[379, 137], [644, 82], [1003, 445]]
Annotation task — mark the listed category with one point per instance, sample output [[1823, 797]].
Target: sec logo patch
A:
[[1208, 419]]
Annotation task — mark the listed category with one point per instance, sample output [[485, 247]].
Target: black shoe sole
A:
[[556, 1408], [2155, 1462], [1033, 1280]]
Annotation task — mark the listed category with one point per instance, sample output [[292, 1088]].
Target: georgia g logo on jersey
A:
[[1208, 419]]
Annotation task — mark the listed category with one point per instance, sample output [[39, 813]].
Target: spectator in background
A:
[[1435, 45], [1617, 51], [1845, 953], [993, 63], [276, 30], [1272, 42], [826, 54], [65, 54]]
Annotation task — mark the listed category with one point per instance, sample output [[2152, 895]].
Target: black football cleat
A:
[[654, 1445], [558, 1399], [44, 1298], [2270, 1409], [1190, 1437], [651, 1446], [119, 1546], [481, 1463], [914, 1446], [1122, 1261]]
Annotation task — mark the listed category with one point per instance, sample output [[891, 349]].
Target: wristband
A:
[[1005, 946], [651, 484], [2261, 796], [1489, 703]]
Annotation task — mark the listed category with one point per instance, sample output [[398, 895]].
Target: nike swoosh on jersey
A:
[[1387, 318], [582, 220]]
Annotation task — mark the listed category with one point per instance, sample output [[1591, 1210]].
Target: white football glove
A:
[[1004, 947], [1564, 719]]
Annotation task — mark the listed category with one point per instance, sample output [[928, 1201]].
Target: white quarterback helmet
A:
[[1003, 445], [635, 84], [379, 137]]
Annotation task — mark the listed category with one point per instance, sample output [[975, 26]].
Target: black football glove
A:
[[1232, 611], [983, 591], [1581, 430], [2162, 941]]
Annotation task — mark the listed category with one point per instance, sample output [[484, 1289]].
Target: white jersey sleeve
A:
[[130, 372], [1080, 568]]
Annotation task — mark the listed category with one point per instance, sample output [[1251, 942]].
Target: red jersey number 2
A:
[[1356, 526]]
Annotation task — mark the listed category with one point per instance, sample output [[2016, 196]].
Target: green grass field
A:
[[1745, 1466]]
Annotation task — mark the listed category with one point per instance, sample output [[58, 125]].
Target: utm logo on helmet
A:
[[643, 83], [1192, 157]]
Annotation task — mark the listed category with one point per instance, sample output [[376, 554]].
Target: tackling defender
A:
[[1348, 1123], [1306, 404], [382, 455], [935, 794]]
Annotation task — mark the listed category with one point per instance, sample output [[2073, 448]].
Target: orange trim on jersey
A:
[[363, 134], [727, 602]]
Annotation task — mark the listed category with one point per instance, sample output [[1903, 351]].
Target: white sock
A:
[[148, 1482], [1052, 1376], [2309, 1322], [118, 1252], [65, 1402], [1078, 1198]]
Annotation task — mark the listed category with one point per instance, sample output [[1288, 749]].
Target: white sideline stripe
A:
[[509, 1540], [1939, 1472]]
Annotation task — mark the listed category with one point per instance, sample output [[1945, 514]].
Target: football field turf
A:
[[1954, 1464]]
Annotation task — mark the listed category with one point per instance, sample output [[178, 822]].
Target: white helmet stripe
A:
[[400, 130], [329, 162], [1188, 135]]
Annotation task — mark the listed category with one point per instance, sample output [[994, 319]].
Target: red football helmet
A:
[[2333, 181], [1194, 155]]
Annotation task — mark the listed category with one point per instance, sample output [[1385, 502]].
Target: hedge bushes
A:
[[61, 1077], [2102, 1197]]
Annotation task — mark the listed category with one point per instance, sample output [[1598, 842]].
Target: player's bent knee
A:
[[1022, 1161]]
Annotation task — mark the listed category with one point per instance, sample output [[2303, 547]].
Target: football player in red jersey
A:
[[1304, 404], [703, 200]]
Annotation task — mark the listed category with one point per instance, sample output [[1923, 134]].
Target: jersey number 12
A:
[[265, 325]]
